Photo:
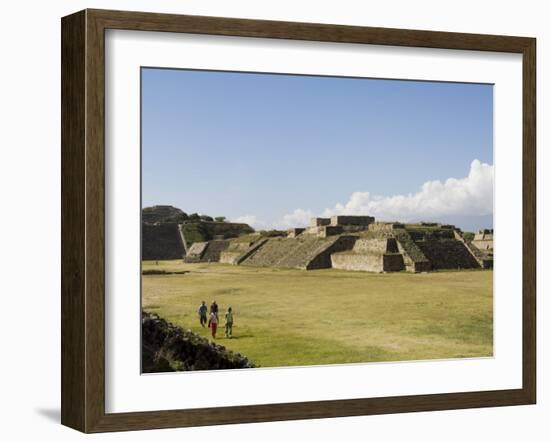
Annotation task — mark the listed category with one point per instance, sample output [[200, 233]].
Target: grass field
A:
[[293, 317]]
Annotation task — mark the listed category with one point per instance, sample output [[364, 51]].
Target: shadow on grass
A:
[[236, 337]]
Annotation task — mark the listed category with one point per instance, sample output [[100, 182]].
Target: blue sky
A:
[[265, 148]]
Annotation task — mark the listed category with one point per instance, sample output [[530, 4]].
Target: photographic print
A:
[[302, 220]]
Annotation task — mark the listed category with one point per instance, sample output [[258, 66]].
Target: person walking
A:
[[202, 313], [214, 308], [213, 324], [229, 323]]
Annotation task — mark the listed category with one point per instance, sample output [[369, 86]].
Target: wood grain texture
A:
[[95, 222], [73, 255], [83, 219], [529, 221]]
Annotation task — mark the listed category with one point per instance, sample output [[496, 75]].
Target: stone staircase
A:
[[447, 254], [307, 252]]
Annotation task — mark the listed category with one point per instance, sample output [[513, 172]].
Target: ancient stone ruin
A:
[[169, 233], [483, 239], [161, 241], [356, 243], [346, 242]]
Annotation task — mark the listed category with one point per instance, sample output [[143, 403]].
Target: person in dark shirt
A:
[[214, 308], [203, 310]]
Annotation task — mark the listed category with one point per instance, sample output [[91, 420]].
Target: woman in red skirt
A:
[[213, 324]]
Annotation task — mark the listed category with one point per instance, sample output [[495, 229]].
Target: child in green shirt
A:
[[229, 323]]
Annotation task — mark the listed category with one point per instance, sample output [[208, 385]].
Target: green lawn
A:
[[293, 317]]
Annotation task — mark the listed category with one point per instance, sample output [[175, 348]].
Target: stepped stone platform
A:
[[371, 255], [483, 239], [168, 232], [305, 252], [388, 247], [208, 251], [415, 261], [483, 255], [239, 250], [348, 242], [447, 254]]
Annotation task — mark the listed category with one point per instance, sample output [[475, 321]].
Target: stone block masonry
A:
[[208, 251], [326, 231], [351, 220], [447, 254], [322, 257], [370, 255], [352, 243], [318, 222], [293, 233], [238, 251], [305, 252], [385, 227], [161, 241], [415, 261]]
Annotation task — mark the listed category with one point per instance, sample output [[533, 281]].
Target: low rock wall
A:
[[358, 262], [166, 347]]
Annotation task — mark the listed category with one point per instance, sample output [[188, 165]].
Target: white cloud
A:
[[298, 218], [468, 196], [251, 220]]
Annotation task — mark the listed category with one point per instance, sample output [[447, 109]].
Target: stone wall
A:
[[484, 256], [447, 254], [483, 244], [322, 256], [318, 222], [486, 234], [326, 231], [385, 227], [393, 262], [351, 220], [370, 255], [161, 241], [293, 233], [208, 251], [238, 251], [358, 262], [413, 258], [214, 250], [166, 348], [378, 263], [483, 239], [196, 251], [372, 246], [304, 252]]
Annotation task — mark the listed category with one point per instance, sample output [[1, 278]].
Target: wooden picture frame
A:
[[83, 220]]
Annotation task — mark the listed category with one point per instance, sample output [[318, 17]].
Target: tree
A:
[[220, 219]]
